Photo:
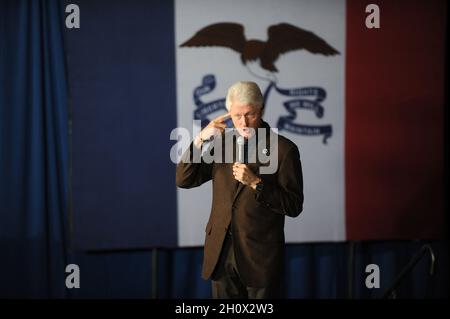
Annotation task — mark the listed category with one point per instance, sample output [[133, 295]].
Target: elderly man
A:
[[244, 243]]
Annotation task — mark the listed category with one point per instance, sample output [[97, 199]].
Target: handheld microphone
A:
[[240, 141]]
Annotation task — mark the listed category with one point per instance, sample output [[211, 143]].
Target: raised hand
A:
[[214, 128]]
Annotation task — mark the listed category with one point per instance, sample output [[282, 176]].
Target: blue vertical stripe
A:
[[121, 65]]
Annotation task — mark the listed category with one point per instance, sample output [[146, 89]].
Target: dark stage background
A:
[[37, 234]]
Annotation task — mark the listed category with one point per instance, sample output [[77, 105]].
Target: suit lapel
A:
[[238, 190]]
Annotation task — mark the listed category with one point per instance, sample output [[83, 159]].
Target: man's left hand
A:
[[244, 174]]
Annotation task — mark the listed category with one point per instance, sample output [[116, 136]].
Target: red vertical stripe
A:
[[394, 121]]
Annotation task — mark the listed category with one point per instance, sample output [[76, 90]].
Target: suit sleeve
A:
[[190, 172], [286, 196]]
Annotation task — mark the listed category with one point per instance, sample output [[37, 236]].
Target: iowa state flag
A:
[[364, 105]]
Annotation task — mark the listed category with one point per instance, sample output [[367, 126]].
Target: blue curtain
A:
[[34, 149], [34, 174], [321, 271]]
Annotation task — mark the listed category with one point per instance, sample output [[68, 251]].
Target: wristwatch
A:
[[259, 187]]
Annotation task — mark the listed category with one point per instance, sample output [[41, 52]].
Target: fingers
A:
[[242, 173], [220, 126], [240, 170], [213, 129], [216, 124], [237, 170], [238, 175], [221, 118]]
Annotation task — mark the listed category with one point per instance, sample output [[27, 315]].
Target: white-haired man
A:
[[244, 242]]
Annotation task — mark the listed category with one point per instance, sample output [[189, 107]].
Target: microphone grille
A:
[[240, 140]]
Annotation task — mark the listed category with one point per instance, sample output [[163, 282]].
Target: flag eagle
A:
[[283, 38]]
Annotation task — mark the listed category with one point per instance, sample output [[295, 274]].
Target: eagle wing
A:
[[226, 34], [285, 37]]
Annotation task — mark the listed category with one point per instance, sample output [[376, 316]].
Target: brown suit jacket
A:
[[256, 218]]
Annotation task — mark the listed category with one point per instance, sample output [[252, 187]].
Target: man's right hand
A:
[[215, 127]]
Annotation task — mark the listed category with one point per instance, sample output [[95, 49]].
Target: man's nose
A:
[[244, 121]]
